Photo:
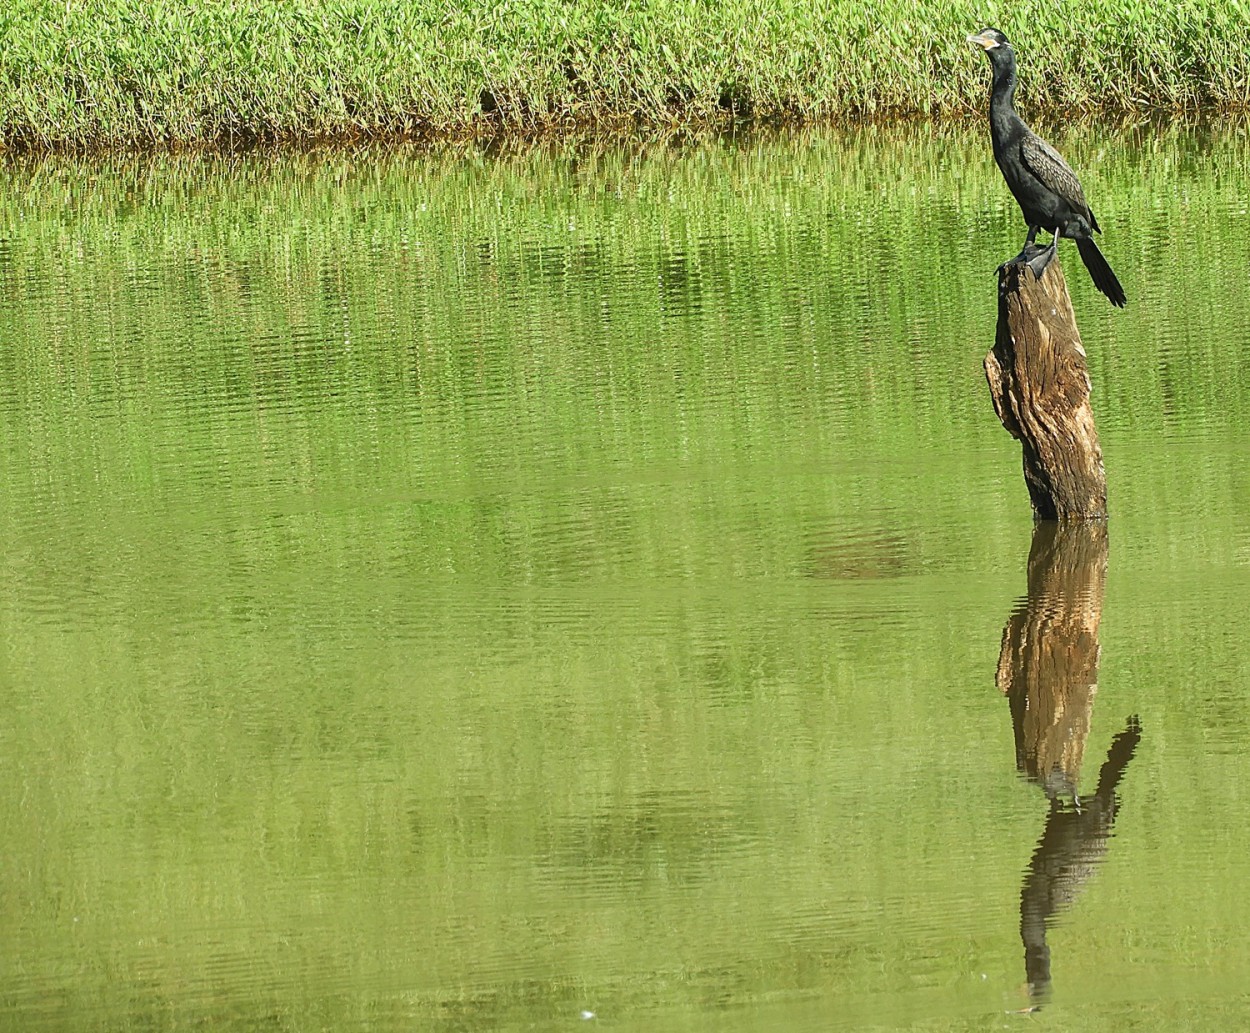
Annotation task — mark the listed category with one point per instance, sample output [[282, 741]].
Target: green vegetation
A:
[[118, 72]]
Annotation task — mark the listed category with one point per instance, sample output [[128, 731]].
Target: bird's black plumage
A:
[[1046, 188]]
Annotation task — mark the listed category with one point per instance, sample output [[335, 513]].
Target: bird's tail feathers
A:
[[1104, 279]]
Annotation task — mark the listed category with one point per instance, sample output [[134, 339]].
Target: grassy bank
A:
[[107, 72]]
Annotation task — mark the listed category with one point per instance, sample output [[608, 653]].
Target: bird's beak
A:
[[985, 42]]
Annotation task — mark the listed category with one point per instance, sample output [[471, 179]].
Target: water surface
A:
[[581, 585]]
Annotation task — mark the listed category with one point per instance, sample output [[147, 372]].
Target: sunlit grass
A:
[[101, 72]]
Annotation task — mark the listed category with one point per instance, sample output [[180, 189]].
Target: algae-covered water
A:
[[566, 587]]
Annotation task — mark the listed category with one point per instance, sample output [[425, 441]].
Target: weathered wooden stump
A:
[[1039, 384]]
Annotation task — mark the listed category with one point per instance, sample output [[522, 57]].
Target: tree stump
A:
[[1039, 384]]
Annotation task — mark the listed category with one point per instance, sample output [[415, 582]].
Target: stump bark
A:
[[1039, 384]]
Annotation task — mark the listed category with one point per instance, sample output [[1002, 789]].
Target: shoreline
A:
[[487, 133]]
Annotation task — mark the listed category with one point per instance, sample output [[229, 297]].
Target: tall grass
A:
[[106, 72]]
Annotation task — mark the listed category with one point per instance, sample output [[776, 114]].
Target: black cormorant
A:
[[1049, 194]]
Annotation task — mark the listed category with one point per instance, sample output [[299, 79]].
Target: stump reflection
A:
[[1048, 670]]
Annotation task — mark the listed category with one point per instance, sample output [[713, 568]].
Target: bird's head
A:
[[990, 40]]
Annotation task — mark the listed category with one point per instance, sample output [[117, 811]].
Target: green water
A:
[[473, 589]]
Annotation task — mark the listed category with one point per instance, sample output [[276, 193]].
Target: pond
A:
[[585, 585]]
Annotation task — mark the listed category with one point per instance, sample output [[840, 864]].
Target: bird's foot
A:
[[1038, 258]]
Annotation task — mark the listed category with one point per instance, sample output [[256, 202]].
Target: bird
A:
[[1044, 185]]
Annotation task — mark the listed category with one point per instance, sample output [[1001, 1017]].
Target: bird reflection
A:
[[1073, 843], [1048, 670]]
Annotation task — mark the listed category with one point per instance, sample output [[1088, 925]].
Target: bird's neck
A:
[[1003, 91]]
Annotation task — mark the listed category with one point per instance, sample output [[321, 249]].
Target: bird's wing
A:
[[1048, 165]]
